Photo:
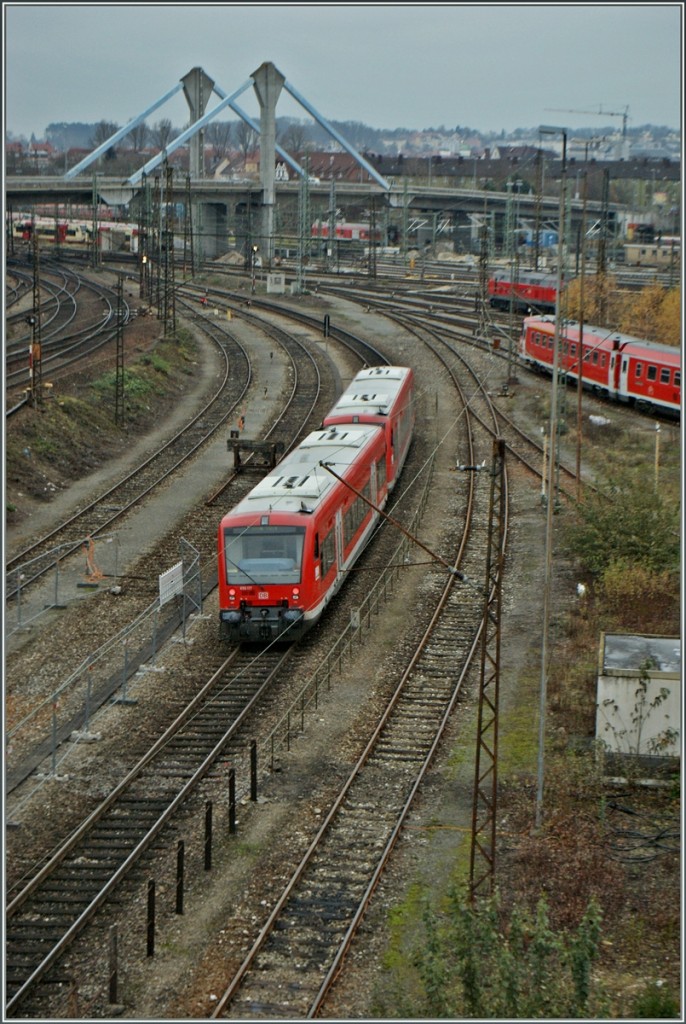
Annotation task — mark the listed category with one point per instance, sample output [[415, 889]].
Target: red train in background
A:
[[345, 231], [287, 547], [617, 366], [532, 292]]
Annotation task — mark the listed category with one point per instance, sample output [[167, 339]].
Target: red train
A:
[[346, 231], [286, 548], [617, 366], [533, 291]]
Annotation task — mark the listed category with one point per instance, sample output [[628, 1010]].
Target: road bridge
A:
[[249, 210], [442, 212]]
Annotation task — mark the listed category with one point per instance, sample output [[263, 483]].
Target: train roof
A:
[[372, 390], [626, 341], [300, 479]]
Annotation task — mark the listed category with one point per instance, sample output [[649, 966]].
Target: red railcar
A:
[[531, 291], [623, 368], [346, 231], [382, 395], [287, 547]]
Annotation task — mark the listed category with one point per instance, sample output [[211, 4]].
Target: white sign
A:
[[171, 583]]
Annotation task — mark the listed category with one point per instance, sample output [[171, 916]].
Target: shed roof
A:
[[631, 651]]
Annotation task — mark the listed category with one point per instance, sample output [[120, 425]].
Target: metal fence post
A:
[[179, 876], [150, 948], [113, 964]]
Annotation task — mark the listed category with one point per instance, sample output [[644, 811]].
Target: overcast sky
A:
[[491, 67]]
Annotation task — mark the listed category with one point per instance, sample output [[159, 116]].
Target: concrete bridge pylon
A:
[[268, 85], [197, 88]]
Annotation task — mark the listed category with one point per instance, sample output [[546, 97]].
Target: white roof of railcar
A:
[[371, 390], [299, 477]]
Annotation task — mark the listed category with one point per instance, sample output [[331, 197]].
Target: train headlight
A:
[[232, 594], [296, 593]]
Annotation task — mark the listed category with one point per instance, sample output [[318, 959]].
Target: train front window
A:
[[263, 554]]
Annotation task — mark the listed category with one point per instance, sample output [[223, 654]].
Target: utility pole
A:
[[483, 276], [547, 592], [156, 244], [601, 269], [537, 208], [332, 224], [144, 242], [372, 238], [188, 254], [95, 245], [119, 372], [485, 799], [580, 347], [34, 320], [169, 295], [304, 227]]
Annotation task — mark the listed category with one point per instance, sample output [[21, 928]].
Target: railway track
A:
[[301, 404], [60, 900], [65, 895], [107, 508], [302, 945], [62, 348], [397, 758]]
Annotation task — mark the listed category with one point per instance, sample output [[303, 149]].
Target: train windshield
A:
[[263, 554]]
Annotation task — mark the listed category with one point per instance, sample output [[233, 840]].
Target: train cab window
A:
[[664, 376], [263, 554], [652, 373]]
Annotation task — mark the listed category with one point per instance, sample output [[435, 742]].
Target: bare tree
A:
[[139, 136], [102, 132], [246, 138], [162, 133], [294, 137], [218, 135]]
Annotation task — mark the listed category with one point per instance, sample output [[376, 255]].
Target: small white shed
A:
[[638, 708]]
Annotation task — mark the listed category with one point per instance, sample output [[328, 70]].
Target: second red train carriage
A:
[[619, 366]]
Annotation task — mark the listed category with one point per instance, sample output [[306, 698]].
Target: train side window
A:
[[587, 354], [572, 349], [677, 378], [381, 473], [316, 545], [652, 373], [639, 369], [603, 359], [328, 552], [595, 359], [664, 376]]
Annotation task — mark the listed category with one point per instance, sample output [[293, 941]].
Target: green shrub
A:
[[656, 1002]]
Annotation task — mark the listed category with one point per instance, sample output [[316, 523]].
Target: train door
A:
[[373, 484], [624, 391], [340, 554]]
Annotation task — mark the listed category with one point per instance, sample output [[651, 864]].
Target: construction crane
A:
[[599, 113]]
